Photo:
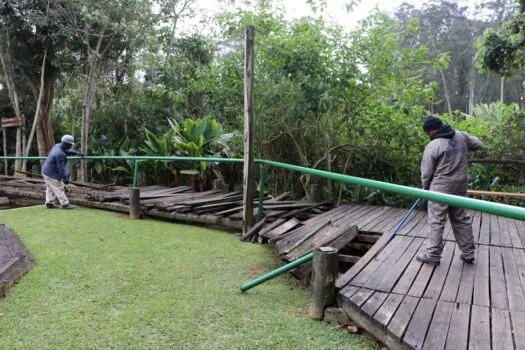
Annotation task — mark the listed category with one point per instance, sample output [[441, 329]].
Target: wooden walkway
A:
[[410, 305]]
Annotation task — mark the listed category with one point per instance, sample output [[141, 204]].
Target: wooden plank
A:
[[390, 226], [466, 284], [399, 322], [253, 230], [387, 221], [437, 282], [479, 335], [514, 236], [495, 235], [361, 296], [498, 290], [348, 291], [418, 326], [367, 238], [374, 264], [393, 275], [519, 257], [450, 289], [271, 226], [504, 231], [351, 259], [384, 212], [514, 292], [281, 229], [458, 331], [413, 220], [484, 233], [437, 332], [481, 279], [373, 303], [419, 230], [422, 279], [406, 280], [388, 308], [520, 226], [287, 244], [385, 269], [518, 326], [321, 238], [476, 226], [364, 223], [501, 330]]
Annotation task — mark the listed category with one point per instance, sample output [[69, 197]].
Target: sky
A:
[[335, 10]]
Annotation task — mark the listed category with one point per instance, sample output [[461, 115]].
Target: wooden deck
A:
[[410, 305]]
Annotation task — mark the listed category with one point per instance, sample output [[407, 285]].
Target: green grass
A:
[[105, 282]]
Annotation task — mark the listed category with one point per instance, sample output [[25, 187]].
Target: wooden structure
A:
[[409, 305], [15, 260], [403, 303]]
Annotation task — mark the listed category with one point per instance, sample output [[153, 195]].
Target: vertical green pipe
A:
[[136, 174], [260, 211]]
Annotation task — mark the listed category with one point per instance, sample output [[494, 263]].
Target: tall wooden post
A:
[[324, 274], [4, 141], [248, 181]]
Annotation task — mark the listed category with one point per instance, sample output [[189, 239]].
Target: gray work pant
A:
[[461, 227]]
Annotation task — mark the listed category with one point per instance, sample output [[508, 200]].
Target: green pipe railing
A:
[[457, 201], [277, 272]]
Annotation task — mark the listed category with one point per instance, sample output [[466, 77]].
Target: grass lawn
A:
[[105, 282]]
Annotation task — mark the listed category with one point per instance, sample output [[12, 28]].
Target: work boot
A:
[[467, 259], [68, 206], [426, 260], [50, 206]]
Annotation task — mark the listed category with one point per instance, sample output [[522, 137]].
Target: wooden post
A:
[[6, 165], [134, 203], [248, 171], [324, 274]]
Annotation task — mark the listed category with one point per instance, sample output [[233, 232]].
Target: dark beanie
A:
[[432, 123]]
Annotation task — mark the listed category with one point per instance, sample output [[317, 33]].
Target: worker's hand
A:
[[65, 181]]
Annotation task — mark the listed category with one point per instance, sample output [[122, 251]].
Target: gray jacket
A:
[[444, 167]]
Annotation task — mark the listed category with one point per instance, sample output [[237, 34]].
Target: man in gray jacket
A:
[[444, 168]]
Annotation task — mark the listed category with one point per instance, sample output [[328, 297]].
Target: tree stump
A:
[[324, 275]]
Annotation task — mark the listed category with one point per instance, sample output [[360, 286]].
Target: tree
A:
[[104, 30]]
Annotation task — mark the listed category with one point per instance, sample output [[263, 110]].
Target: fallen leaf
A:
[[124, 282], [2, 315]]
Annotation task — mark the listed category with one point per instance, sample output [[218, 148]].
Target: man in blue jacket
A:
[[55, 172]]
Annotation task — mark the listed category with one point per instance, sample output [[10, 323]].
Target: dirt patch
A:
[[259, 270]]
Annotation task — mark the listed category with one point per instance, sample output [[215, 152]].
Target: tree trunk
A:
[[5, 59], [42, 123], [445, 89], [472, 86], [86, 117]]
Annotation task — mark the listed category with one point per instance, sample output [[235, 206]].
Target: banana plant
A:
[[158, 146]]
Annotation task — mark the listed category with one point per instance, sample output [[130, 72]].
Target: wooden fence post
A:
[[134, 203], [324, 274], [248, 173]]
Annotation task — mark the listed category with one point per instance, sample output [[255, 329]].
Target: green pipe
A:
[[457, 201], [164, 158], [136, 174], [277, 272], [260, 211]]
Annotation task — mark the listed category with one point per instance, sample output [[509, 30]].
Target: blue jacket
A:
[[55, 165]]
